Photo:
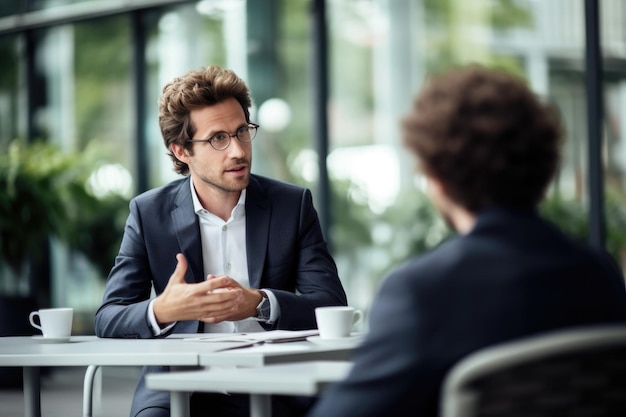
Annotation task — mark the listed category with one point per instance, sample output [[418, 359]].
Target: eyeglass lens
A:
[[244, 134]]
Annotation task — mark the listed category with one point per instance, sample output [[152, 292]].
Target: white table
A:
[[303, 378], [32, 353], [90, 351]]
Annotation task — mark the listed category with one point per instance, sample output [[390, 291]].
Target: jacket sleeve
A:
[[123, 312]]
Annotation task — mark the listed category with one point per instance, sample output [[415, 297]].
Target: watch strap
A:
[[263, 309]]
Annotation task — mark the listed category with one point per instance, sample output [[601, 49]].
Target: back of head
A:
[[196, 89], [486, 136]]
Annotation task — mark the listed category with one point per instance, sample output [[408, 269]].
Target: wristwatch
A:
[[263, 309]]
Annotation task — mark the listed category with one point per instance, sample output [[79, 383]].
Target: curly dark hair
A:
[[486, 136], [195, 89]]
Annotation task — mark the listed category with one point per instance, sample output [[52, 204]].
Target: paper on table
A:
[[271, 336]]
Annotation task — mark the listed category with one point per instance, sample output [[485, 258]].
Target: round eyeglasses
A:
[[221, 140]]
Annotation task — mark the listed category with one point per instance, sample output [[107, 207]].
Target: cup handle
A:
[[31, 318], [357, 317]]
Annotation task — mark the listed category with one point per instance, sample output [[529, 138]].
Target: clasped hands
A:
[[217, 299]]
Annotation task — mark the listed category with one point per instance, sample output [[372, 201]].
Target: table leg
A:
[[260, 405], [179, 404], [90, 374], [32, 391]]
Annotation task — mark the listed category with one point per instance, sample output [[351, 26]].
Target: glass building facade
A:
[[83, 74]]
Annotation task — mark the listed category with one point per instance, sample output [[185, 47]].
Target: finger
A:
[[213, 320], [214, 284], [181, 268], [223, 303], [222, 281], [217, 318], [220, 296]]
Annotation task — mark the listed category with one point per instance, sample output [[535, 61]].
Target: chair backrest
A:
[[579, 372]]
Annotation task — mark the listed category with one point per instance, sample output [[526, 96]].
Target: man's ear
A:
[[436, 186], [179, 152], [438, 193]]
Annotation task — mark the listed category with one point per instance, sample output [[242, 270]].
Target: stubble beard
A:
[[225, 185]]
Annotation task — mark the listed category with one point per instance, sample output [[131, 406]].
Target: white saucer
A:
[[42, 339], [349, 341]]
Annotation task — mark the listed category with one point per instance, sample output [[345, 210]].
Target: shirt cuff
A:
[[156, 329]]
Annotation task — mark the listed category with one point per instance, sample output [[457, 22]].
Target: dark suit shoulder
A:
[[166, 192], [156, 205], [507, 248], [430, 267], [272, 186]]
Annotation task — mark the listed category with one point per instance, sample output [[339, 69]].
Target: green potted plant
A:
[[44, 193]]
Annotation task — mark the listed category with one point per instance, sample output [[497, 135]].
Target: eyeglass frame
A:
[[210, 140]]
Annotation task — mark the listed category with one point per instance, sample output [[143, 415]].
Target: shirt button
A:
[[228, 266], [224, 228]]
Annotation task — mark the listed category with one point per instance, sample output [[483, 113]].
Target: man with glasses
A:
[[224, 249]]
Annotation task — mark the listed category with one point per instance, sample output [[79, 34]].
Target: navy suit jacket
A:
[[513, 275], [285, 247]]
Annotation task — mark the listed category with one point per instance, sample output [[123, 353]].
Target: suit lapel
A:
[[258, 210], [188, 232]]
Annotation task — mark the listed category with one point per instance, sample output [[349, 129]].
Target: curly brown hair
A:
[[486, 136], [195, 89]]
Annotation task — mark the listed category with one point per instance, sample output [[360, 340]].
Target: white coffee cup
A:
[[54, 322], [335, 322]]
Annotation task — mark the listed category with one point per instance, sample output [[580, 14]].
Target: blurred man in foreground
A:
[[489, 149]]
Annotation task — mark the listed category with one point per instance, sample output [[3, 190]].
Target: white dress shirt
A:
[[224, 253]]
